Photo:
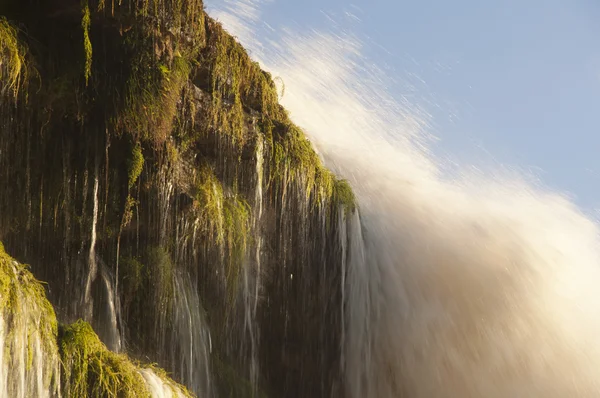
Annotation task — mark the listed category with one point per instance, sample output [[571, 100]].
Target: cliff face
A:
[[150, 176]]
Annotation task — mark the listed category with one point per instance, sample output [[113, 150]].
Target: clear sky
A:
[[517, 81]]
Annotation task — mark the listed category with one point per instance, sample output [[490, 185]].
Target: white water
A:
[[192, 336], [480, 286], [88, 301], [158, 387]]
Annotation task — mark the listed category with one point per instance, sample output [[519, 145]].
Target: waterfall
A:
[[252, 275], [191, 340], [158, 387], [481, 285], [92, 264], [105, 318]]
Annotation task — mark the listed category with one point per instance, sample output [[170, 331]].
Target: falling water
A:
[[158, 387], [476, 286], [106, 323], [92, 264], [191, 337], [107, 327], [252, 275]]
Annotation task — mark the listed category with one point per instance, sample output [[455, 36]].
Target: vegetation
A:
[[236, 82], [343, 194], [24, 310], [13, 68], [88, 367], [238, 85], [226, 220], [152, 94], [135, 165], [86, 23], [91, 370]]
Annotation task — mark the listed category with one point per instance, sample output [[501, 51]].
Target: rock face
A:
[[150, 176]]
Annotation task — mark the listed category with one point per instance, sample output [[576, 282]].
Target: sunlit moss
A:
[[91, 370], [209, 202], [135, 165], [86, 23], [152, 94], [344, 196], [25, 311], [237, 85], [226, 219], [13, 69], [236, 82]]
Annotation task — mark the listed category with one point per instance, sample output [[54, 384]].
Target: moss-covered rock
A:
[[91, 370], [28, 329], [32, 344]]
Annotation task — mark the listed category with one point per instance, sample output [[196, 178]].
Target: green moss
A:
[[91, 370], [26, 311], [135, 165], [152, 95], [236, 214], [86, 23], [209, 203], [226, 218], [226, 221], [344, 196], [13, 68], [236, 81], [19, 289]]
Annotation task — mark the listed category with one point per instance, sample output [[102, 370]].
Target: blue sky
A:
[[516, 81]]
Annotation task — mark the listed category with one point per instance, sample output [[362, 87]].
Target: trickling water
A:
[[108, 325], [252, 276], [191, 340], [92, 264], [108, 328]]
